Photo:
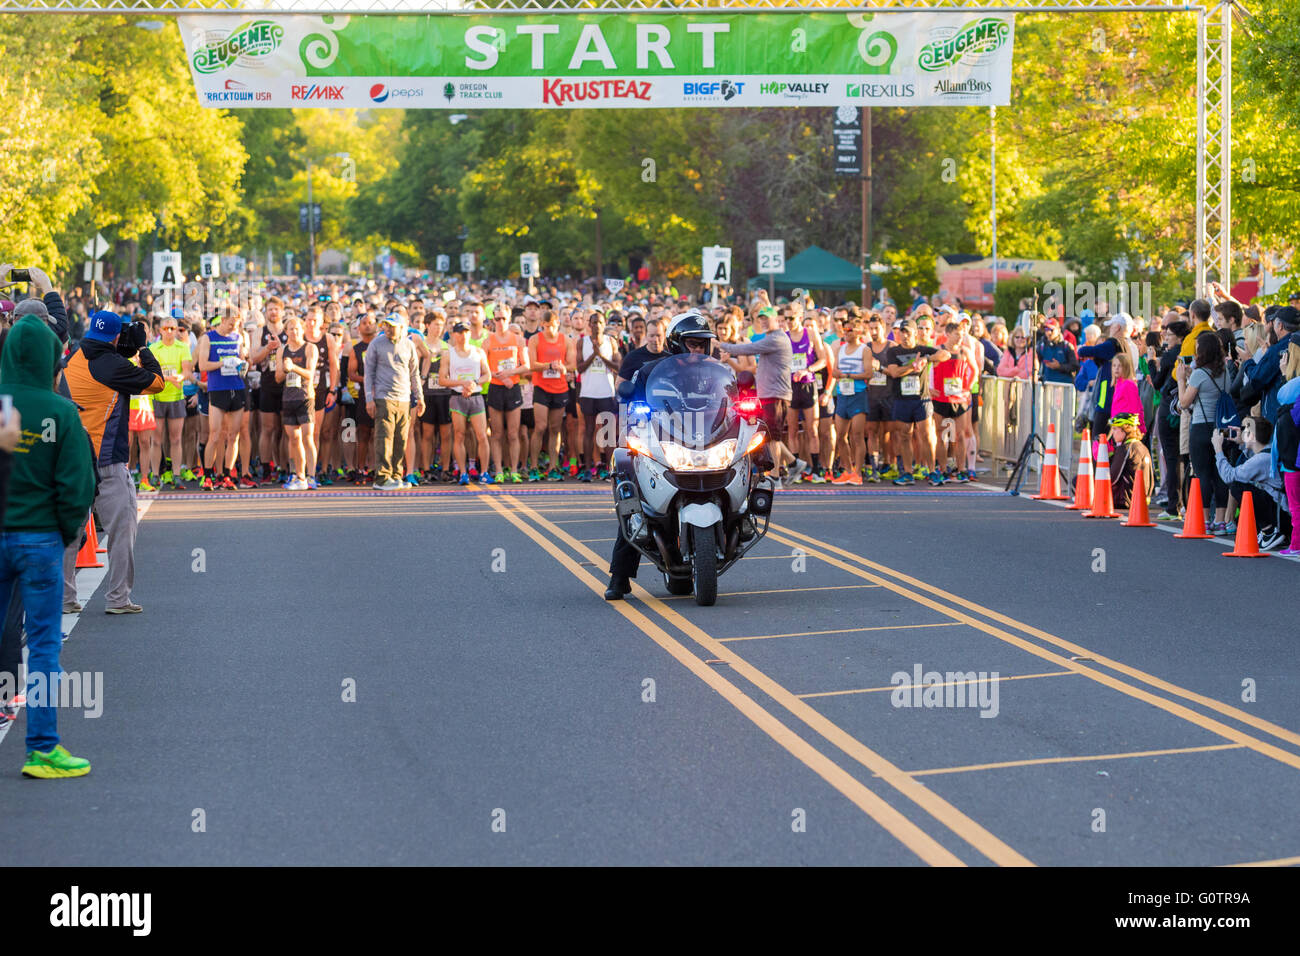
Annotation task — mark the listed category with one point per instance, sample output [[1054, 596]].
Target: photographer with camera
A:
[[101, 379]]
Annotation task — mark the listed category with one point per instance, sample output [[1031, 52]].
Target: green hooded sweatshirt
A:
[[52, 481]]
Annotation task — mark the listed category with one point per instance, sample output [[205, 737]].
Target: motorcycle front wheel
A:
[[704, 565]]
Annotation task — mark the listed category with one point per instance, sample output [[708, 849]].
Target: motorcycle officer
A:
[[688, 333]]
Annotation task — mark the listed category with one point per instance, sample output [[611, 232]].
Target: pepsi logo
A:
[[379, 92]]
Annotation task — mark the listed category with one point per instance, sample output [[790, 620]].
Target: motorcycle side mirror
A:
[[625, 391]]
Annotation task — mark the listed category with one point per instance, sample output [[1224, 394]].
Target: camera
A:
[[20, 275]]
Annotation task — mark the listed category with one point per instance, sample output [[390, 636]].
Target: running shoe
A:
[[325, 479], [853, 479], [841, 479], [247, 482], [873, 476], [815, 477], [1289, 552], [486, 479], [1216, 527], [1270, 538], [167, 478], [8, 712], [515, 477], [920, 473], [296, 484], [464, 479], [227, 484], [187, 475], [53, 764], [178, 485], [534, 475], [573, 468], [890, 473], [145, 486], [1230, 528], [473, 473], [904, 480], [1168, 516], [554, 475], [795, 473], [207, 485], [499, 478], [602, 473], [413, 480], [585, 475], [312, 484], [936, 478]]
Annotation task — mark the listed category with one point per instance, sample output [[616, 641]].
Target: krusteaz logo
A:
[[982, 36], [253, 39]]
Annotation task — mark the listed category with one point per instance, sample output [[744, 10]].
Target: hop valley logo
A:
[[793, 91]]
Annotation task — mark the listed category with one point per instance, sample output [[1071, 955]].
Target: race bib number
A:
[[433, 381], [254, 378], [315, 377], [799, 362], [292, 380], [879, 378], [230, 365], [507, 365], [467, 377], [270, 362], [910, 385], [952, 388], [168, 372], [552, 373], [845, 386]]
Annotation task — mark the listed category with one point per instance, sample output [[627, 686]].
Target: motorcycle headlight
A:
[[715, 458]]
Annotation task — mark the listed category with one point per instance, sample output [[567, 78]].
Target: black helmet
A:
[[687, 325]]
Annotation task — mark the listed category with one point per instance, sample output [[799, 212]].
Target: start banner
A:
[[601, 61]]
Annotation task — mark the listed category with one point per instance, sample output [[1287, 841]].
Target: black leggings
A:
[[1171, 462], [1267, 513], [1214, 492]]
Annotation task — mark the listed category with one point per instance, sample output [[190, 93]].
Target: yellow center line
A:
[[834, 587], [1046, 760], [951, 683], [1285, 861], [903, 829], [1168, 706], [940, 809], [841, 630]]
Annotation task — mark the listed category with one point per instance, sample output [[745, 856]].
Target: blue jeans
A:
[[35, 560]]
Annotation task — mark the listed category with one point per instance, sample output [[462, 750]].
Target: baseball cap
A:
[[459, 327], [1288, 315], [103, 326], [392, 318], [6, 305], [905, 324], [1293, 296]]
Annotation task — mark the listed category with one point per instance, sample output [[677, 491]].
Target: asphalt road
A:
[[503, 713]]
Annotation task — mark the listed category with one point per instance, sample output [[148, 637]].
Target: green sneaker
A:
[[168, 478], [500, 478], [188, 475], [54, 764], [515, 477], [890, 473]]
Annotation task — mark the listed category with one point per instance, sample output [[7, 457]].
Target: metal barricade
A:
[[1004, 421]]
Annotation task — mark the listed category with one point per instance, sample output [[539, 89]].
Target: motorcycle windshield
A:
[[690, 398]]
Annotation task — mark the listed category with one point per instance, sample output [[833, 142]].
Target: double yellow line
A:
[[546, 534]]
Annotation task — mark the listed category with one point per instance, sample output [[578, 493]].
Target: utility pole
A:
[[993, 176], [311, 228], [866, 204]]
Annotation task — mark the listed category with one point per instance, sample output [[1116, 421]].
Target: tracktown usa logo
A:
[[235, 92], [968, 43], [964, 88], [712, 89], [380, 93], [316, 91], [248, 42], [793, 91], [881, 91], [563, 92]]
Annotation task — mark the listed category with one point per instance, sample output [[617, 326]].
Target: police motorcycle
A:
[[688, 486]]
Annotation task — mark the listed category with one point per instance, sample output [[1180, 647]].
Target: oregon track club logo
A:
[[254, 39], [981, 36]]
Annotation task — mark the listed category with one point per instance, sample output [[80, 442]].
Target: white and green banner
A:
[[601, 61]]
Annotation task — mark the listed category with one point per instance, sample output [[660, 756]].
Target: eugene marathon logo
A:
[[76, 909], [249, 41], [981, 36]]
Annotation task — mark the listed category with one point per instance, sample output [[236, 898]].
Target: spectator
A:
[[1102, 354], [51, 485], [1254, 473], [1208, 380], [1286, 442], [1057, 357], [1266, 379], [1167, 417], [1016, 360], [1129, 458], [100, 378], [1126, 399]]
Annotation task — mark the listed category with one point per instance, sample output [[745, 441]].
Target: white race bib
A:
[[433, 380], [230, 365], [467, 377], [168, 372], [506, 365], [952, 388], [270, 363], [879, 378], [845, 386], [315, 377], [910, 385], [552, 373], [292, 380], [799, 362]]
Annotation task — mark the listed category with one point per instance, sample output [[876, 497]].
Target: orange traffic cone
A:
[[1247, 543], [1138, 517], [86, 557], [1103, 501], [92, 537], [1083, 481], [1194, 519], [1050, 480]]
